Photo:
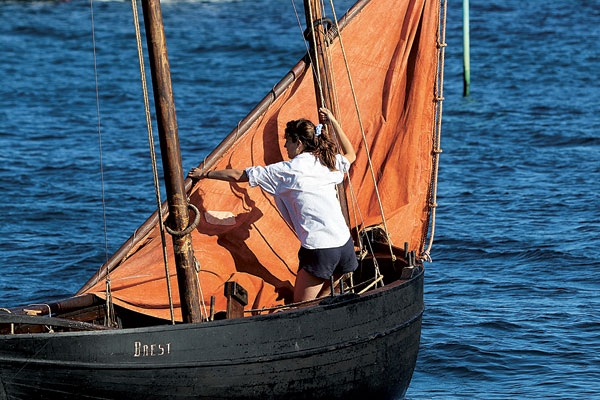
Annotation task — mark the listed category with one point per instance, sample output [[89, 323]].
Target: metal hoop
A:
[[190, 227]]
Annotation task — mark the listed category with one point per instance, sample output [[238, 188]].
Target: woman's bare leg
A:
[[326, 289], [307, 286]]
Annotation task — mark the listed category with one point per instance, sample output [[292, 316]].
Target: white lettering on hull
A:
[[151, 350]]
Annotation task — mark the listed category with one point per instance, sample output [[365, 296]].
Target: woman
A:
[[304, 192]]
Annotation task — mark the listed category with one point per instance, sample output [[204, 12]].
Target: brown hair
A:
[[321, 146]]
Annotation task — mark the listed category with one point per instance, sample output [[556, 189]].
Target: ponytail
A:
[[315, 139]]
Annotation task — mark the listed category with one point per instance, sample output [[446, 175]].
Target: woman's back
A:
[[304, 191]]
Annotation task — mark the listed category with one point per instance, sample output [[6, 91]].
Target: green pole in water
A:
[[466, 56]]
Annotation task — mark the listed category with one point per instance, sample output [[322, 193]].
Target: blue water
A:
[[513, 294]]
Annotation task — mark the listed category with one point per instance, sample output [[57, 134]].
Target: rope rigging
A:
[[162, 226], [439, 90], [362, 131], [355, 207], [110, 314], [437, 131], [136, 22], [332, 92], [324, 87]]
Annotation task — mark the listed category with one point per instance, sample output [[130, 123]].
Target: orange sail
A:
[[391, 48]]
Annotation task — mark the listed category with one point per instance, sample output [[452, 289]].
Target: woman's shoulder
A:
[[302, 160], [280, 165]]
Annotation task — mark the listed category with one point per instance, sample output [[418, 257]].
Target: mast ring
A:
[[190, 227]]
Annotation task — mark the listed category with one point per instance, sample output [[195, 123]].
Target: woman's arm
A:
[[231, 175], [346, 146]]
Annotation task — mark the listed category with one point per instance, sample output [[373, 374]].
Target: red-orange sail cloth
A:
[[392, 53]]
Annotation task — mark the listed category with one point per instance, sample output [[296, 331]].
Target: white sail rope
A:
[[136, 22], [315, 62]]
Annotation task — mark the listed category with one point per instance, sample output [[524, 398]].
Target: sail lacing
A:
[[110, 315], [439, 90], [161, 225]]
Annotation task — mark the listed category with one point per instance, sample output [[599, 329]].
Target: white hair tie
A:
[[318, 129]]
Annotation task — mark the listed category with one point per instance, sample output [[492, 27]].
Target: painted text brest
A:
[[151, 350]]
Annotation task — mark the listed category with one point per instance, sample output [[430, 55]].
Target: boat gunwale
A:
[[226, 362], [291, 313]]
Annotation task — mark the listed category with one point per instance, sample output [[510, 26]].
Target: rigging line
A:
[[197, 268], [329, 84], [316, 60], [316, 71], [438, 130], [337, 143], [355, 207], [300, 26], [311, 61], [109, 304], [354, 198], [136, 21], [362, 130], [99, 132]]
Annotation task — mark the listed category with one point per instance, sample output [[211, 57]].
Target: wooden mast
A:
[[171, 157], [316, 35]]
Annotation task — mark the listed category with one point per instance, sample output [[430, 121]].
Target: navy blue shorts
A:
[[324, 263]]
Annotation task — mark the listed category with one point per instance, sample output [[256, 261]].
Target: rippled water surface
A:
[[513, 294]]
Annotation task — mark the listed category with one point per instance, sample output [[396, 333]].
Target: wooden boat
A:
[[118, 338]]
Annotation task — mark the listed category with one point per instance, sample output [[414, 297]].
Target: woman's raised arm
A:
[[346, 146]]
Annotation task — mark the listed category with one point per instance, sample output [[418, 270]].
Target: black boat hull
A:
[[362, 347]]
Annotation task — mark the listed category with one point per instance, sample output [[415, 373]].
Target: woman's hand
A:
[[346, 146], [196, 173], [325, 115]]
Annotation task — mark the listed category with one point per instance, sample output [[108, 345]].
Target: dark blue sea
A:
[[513, 293]]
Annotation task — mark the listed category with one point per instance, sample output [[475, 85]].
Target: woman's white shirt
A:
[[304, 191]]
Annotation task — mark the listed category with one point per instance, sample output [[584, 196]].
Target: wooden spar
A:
[[322, 77], [171, 157]]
